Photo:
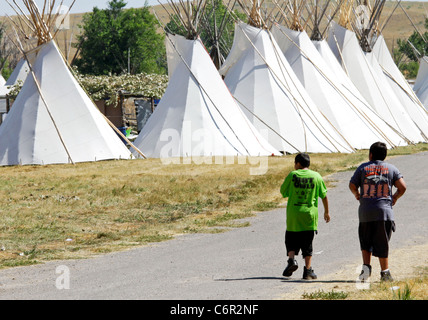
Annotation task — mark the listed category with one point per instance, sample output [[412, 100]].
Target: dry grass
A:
[[415, 288], [65, 211]]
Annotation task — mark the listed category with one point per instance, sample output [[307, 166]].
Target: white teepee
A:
[[19, 73], [3, 93], [60, 126], [421, 84], [401, 87], [367, 75], [352, 116], [53, 121], [260, 78], [342, 77], [197, 115], [3, 89]]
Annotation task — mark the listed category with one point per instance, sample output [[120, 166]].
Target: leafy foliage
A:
[[413, 48], [108, 87], [409, 69], [5, 69], [418, 43], [117, 41]]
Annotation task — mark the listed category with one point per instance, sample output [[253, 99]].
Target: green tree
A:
[[416, 42], [216, 28], [5, 69], [118, 40], [407, 55]]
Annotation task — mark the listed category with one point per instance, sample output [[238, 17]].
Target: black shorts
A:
[[296, 241], [374, 237]]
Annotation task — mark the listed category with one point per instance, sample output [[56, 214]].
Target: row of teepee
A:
[[313, 94], [280, 90]]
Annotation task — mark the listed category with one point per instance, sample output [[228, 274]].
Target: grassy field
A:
[[77, 211]]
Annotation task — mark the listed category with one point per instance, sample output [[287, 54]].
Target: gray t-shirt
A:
[[375, 180]]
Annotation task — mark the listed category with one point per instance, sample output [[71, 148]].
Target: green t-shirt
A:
[[303, 188]]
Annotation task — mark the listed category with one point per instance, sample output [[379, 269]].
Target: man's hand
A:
[[326, 217], [354, 190], [325, 204], [401, 189]]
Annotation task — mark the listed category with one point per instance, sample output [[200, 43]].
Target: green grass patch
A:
[[322, 295], [77, 211]]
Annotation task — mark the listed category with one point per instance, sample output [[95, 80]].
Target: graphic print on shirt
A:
[[305, 186], [376, 183]]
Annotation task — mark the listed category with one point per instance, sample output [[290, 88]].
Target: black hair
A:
[[303, 159], [379, 151]]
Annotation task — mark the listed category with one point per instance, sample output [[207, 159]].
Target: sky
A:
[[87, 5], [81, 5]]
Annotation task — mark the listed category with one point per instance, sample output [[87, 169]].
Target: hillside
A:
[[399, 26]]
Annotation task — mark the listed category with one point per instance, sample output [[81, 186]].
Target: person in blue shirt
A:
[[372, 185]]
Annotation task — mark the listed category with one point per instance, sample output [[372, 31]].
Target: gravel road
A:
[[241, 264]]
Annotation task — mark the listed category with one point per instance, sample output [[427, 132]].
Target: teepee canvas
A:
[[53, 121], [366, 74], [197, 116], [19, 73], [3, 93], [401, 87], [421, 84], [351, 115], [262, 81]]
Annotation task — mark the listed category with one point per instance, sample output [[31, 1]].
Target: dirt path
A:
[[241, 264]]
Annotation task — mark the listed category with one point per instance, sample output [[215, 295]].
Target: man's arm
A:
[[285, 187], [326, 212], [354, 190], [401, 189]]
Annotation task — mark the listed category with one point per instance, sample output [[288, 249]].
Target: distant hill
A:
[[399, 26]]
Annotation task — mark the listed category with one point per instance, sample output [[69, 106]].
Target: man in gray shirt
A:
[[372, 185]]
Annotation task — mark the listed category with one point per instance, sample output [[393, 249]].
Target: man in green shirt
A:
[[302, 187]]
